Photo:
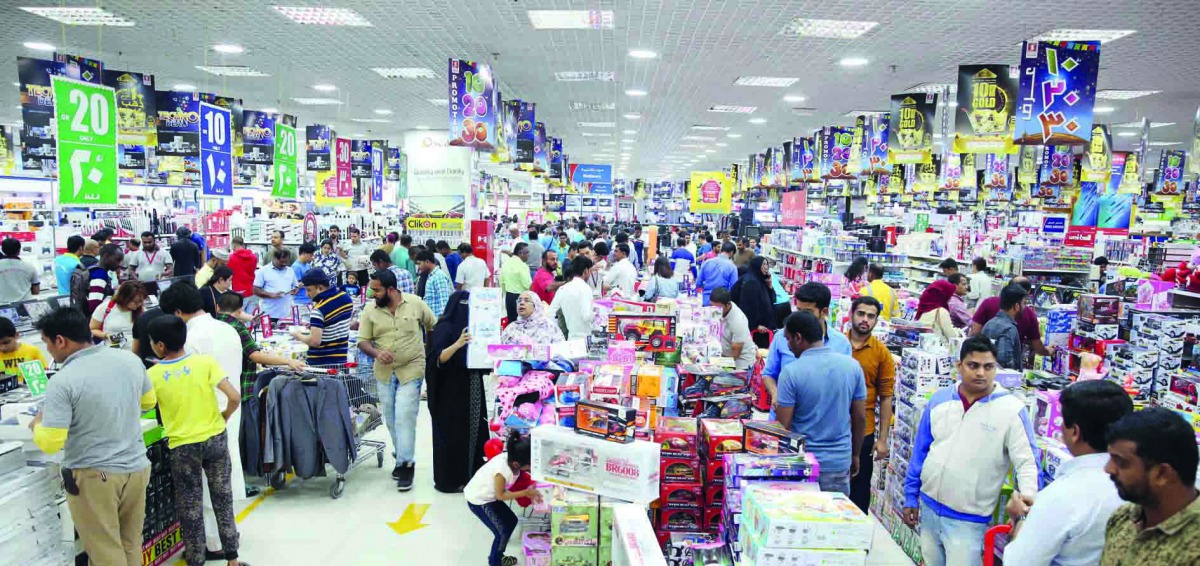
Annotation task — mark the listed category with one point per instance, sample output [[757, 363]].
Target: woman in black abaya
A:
[[456, 403]]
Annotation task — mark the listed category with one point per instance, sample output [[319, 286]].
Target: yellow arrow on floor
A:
[[411, 519]]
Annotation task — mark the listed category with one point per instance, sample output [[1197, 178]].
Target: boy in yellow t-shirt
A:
[[195, 429], [12, 352]]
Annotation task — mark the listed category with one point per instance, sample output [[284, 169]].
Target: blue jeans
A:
[[401, 402], [835, 481], [950, 541], [499, 519]]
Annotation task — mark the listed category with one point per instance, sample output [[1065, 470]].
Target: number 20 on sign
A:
[[86, 117]]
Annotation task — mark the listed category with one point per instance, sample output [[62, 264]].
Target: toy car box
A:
[[1099, 309], [650, 332], [714, 471], [756, 554], [680, 520], [605, 420], [718, 436], [574, 518], [779, 467], [624, 471], [681, 495], [610, 383], [770, 438], [679, 470], [677, 436], [805, 519]]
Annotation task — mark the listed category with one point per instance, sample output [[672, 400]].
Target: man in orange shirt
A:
[[879, 369]]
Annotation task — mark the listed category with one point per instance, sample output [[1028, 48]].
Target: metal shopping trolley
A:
[[364, 414]]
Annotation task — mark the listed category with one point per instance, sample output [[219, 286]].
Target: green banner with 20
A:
[[86, 117], [285, 161]]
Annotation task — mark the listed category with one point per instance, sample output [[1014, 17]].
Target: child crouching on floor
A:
[[488, 495], [195, 427]]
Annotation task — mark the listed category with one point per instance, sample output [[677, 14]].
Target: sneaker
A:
[[396, 472], [508, 561], [405, 480]]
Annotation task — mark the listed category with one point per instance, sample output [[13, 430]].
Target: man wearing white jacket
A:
[[970, 435]]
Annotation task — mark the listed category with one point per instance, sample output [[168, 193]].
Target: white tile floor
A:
[[301, 525]]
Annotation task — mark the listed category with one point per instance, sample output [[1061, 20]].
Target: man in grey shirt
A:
[[1002, 329], [19, 281], [92, 412], [535, 251]]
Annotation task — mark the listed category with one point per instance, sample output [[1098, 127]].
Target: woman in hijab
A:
[[456, 403], [755, 296], [533, 325], [933, 308]]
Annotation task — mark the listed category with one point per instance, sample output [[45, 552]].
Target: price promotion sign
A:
[[86, 116], [35, 377], [285, 161], [216, 148]]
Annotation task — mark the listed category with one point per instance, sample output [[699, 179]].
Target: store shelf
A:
[[925, 268], [1068, 271]]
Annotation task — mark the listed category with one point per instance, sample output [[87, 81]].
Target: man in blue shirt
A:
[[300, 267], [276, 284], [705, 245], [65, 264], [718, 272], [452, 259], [814, 298], [823, 398]]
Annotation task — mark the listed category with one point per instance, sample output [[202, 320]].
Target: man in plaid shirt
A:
[[438, 287], [229, 308], [380, 260]]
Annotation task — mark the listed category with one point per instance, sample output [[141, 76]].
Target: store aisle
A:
[[302, 525]]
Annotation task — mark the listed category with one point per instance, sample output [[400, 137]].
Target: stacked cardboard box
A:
[[681, 493], [718, 437], [1163, 335], [778, 471], [787, 526], [30, 529]]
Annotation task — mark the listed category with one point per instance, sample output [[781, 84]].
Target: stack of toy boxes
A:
[[681, 493], [1165, 335], [796, 471], [717, 438], [1060, 322], [922, 372], [788, 526], [574, 527]]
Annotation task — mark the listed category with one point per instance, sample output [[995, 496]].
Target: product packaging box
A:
[[647, 381], [537, 549], [712, 519], [718, 436], [1053, 455], [1099, 309], [573, 556], [681, 495], [754, 553], [680, 520], [610, 381], [679, 547], [770, 438], [625, 471], [714, 472], [779, 467], [805, 519], [646, 416], [677, 436], [680, 470], [1049, 415], [614, 423], [574, 519], [714, 496]]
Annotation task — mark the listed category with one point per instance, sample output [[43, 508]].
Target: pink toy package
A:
[[1049, 414]]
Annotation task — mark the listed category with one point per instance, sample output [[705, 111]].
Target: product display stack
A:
[[31, 531], [784, 470], [782, 525]]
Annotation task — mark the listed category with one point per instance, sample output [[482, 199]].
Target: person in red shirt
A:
[[243, 262], [543, 282], [1027, 322]]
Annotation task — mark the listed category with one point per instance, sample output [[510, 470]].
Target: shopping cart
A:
[[364, 411], [989, 543]]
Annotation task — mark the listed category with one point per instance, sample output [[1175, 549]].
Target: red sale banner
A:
[[793, 208]]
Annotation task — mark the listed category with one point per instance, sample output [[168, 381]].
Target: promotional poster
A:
[[131, 157], [1027, 164], [1117, 171], [216, 151], [835, 154], [37, 113], [510, 113], [995, 175], [526, 136], [709, 191], [1097, 160], [87, 170], [952, 172], [1057, 92], [1171, 165], [1195, 164], [377, 167], [360, 159], [1116, 212], [395, 164], [286, 178], [984, 119], [910, 128], [805, 161], [555, 203], [344, 186], [541, 158], [258, 137], [1057, 166], [556, 160], [178, 123], [79, 68], [1087, 207], [926, 174], [472, 105], [874, 152], [136, 107], [236, 114], [6, 150], [317, 150]]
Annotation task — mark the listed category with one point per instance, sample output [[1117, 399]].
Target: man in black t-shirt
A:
[[185, 254], [141, 336]]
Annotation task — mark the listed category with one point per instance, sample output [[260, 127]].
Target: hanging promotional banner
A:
[[769, 160], [1194, 166], [805, 160], [1143, 149], [395, 164], [1171, 165], [510, 113], [1057, 165], [910, 128], [1131, 176], [1058, 92], [1117, 171], [541, 158], [995, 175], [526, 136], [1115, 214], [709, 191], [588, 173], [472, 105], [926, 174], [556, 168], [1087, 207], [1097, 160], [136, 107], [835, 154], [984, 119], [37, 113], [377, 166], [856, 145], [236, 115], [874, 152], [178, 123], [952, 172], [555, 203], [216, 151], [344, 185], [85, 116], [79, 68], [779, 167], [793, 209], [285, 184], [1027, 165], [360, 159], [258, 137], [317, 150], [6, 150]]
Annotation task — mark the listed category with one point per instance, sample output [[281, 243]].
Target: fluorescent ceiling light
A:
[[722, 144], [632, 116], [642, 54], [228, 48], [853, 62], [834, 29], [594, 106], [231, 71], [597, 124], [704, 128], [635, 92], [80, 16], [628, 140], [271, 110], [1162, 144], [183, 87], [1138, 124], [371, 120], [324, 87], [421, 127], [1127, 134], [596, 134], [734, 136], [693, 145], [320, 16], [439, 101], [932, 87], [857, 113], [794, 98], [571, 19], [1112, 94], [629, 132], [383, 112], [317, 101], [610, 142], [578, 76], [358, 136], [766, 81], [710, 151], [732, 109], [698, 138], [38, 46], [405, 72], [1066, 34], [758, 120], [1104, 110]]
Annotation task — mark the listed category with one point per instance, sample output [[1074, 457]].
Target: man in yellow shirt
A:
[[195, 427], [878, 288], [12, 352]]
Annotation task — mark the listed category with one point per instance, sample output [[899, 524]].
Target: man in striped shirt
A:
[[102, 277], [329, 327]]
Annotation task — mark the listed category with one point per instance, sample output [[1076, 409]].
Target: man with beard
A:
[[1152, 460], [149, 264], [879, 371], [392, 330], [543, 283]]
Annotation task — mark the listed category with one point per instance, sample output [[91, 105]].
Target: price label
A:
[[34, 374], [216, 147], [285, 161], [86, 117]]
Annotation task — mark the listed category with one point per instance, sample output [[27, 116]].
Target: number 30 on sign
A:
[[86, 117]]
